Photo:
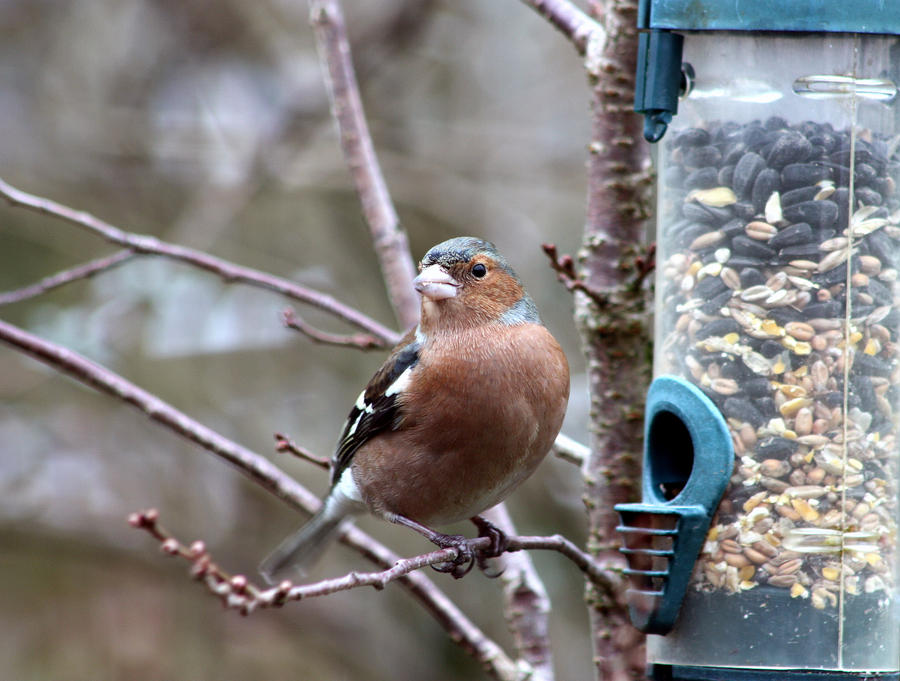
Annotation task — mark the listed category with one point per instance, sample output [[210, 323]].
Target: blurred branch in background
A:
[[577, 26], [285, 444], [569, 450], [391, 244], [148, 245], [68, 276]]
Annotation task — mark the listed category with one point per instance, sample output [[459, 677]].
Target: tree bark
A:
[[615, 327]]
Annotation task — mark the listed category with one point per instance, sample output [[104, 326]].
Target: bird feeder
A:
[[772, 423]]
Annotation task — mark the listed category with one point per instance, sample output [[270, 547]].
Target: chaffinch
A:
[[461, 413]]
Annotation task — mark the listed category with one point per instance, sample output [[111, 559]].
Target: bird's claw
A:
[[465, 558]]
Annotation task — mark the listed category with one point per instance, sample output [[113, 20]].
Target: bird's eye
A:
[[479, 270]]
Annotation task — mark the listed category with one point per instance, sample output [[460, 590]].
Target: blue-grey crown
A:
[[463, 249]]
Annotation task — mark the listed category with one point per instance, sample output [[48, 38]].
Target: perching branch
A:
[[577, 26], [389, 239], [148, 245], [240, 593], [85, 271]]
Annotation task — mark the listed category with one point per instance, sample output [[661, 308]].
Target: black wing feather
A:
[[380, 412]]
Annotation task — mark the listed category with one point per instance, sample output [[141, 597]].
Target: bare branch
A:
[[391, 243], [460, 629], [284, 444], [238, 592], [577, 26], [85, 271], [230, 272], [362, 341], [570, 450]]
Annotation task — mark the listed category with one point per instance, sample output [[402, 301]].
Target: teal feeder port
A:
[[776, 126], [688, 459]]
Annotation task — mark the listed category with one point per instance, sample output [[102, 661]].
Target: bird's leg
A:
[[499, 542], [465, 558]]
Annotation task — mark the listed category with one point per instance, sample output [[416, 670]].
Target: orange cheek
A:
[[495, 295]]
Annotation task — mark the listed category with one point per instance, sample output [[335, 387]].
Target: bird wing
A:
[[378, 408]]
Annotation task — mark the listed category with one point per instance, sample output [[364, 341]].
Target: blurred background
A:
[[207, 124]]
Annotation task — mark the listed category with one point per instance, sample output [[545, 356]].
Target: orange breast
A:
[[482, 424]]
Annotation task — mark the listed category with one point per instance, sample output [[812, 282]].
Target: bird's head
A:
[[466, 282]]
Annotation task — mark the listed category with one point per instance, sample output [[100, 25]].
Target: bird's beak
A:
[[434, 283]]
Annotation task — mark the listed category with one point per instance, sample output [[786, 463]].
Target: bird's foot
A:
[[465, 557], [468, 554], [499, 543]]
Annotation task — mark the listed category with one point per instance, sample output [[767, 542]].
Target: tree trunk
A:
[[615, 325]]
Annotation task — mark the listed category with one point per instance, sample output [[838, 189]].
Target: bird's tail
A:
[[301, 550]]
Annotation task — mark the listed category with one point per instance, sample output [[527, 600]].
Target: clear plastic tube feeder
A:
[[778, 229]]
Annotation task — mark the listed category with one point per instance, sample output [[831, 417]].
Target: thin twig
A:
[[570, 450], [577, 26], [564, 266], [362, 341], [230, 272], [285, 444], [390, 240], [85, 271], [261, 471]]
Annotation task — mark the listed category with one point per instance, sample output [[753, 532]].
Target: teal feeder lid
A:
[[661, 77]]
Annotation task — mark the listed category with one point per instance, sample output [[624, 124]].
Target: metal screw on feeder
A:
[[778, 316]]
